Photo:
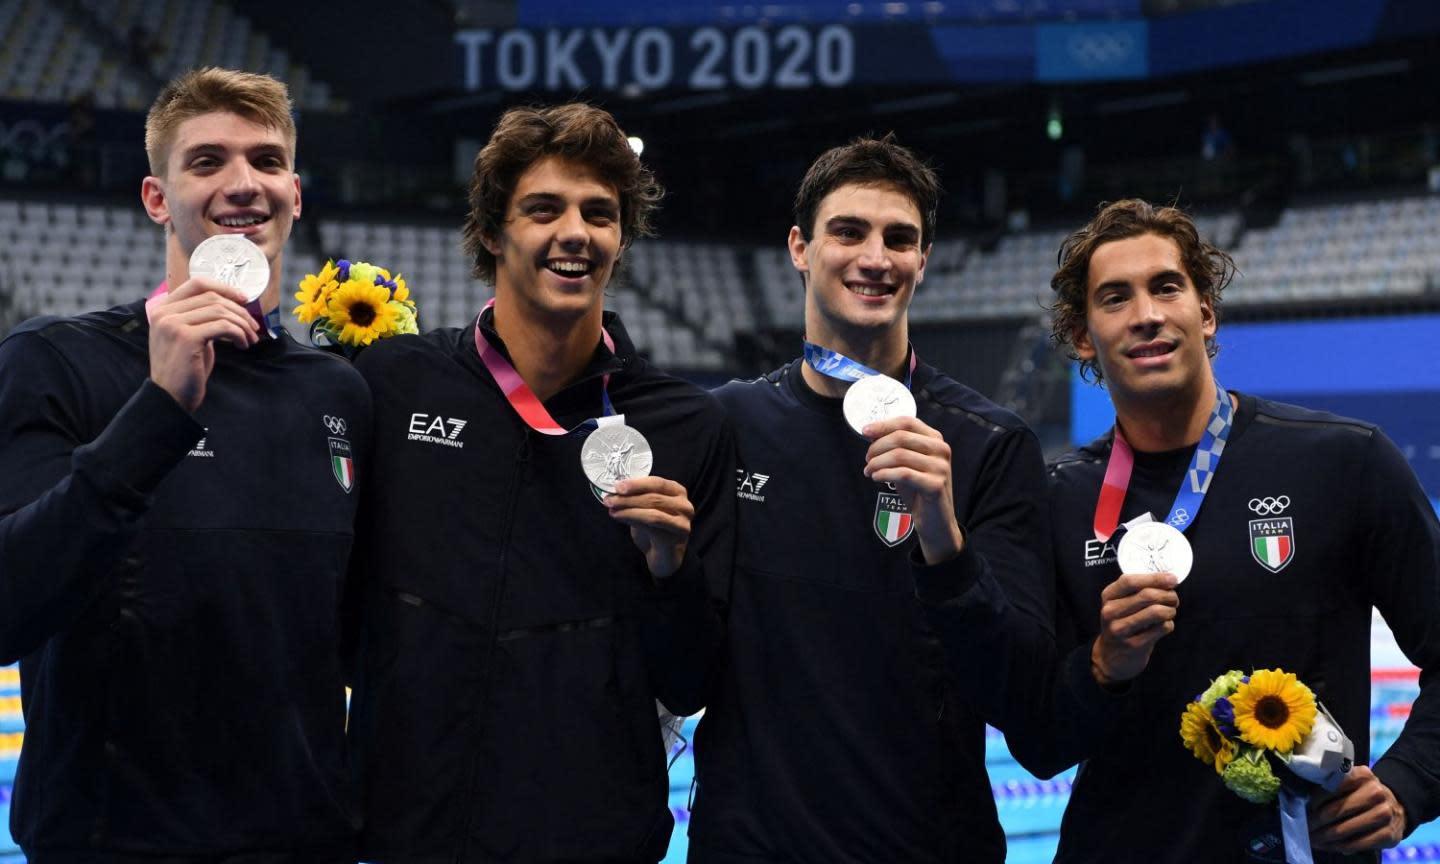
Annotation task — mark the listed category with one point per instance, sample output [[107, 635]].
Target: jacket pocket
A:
[[572, 756], [413, 727]]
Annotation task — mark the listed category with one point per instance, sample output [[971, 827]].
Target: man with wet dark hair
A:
[[893, 590], [1308, 521]]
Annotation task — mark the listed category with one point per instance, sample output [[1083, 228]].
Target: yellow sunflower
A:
[[1203, 738], [314, 293], [360, 313], [1274, 710]]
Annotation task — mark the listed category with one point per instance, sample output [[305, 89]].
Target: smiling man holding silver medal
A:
[[893, 588], [1308, 520], [173, 529], [547, 510]]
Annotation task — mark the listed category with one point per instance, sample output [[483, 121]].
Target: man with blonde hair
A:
[[175, 523]]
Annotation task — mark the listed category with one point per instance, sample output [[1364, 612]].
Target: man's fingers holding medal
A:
[[1135, 592], [183, 326], [1136, 611], [199, 287], [651, 492], [906, 452], [201, 310], [915, 459], [659, 514], [1135, 605]]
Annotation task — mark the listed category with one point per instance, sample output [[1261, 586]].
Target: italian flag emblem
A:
[[342, 463], [1272, 542], [893, 522]]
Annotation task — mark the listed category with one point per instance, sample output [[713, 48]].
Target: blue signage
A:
[[1092, 52], [790, 57], [695, 46]]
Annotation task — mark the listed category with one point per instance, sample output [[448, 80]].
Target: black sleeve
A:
[[352, 594], [682, 624], [993, 609], [1084, 715], [70, 507], [1403, 545]]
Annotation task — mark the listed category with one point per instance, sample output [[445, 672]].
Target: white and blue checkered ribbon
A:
[[833, 364], [1203, 463]]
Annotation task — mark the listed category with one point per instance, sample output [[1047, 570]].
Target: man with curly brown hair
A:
[[520, 615], [1308, 520]]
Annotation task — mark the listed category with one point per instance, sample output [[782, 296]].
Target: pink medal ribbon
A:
[[519, 394], [1112, 490], [1191, 495]]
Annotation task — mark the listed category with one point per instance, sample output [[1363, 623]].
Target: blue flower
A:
[[1224, 714], [344, 267]]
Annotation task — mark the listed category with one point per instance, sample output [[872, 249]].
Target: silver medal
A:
[[875, 398], [232, 260], [615, 452], [1155, 547]]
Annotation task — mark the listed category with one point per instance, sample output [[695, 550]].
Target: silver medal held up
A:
[[234, 261], [615, 452], [875, 398], [1155, 547]]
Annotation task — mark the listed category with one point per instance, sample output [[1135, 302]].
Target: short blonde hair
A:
[[258, 98]]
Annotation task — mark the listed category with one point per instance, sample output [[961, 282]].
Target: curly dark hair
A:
[[574, 131], [869, 160], [1209, 267]]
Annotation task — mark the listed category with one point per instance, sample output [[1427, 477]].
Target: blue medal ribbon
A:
[[1193, 486], [1204, 462], [833, 364], [271, 323]]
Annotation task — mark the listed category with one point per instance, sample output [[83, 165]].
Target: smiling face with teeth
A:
[[560, 241], [860, 269], [225, 174], [1146, 325]]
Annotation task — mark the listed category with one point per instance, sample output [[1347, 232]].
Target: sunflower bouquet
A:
[[1245, 726], [352, 304]]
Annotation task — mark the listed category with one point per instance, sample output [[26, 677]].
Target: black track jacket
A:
[[171, 584], [513, 642]]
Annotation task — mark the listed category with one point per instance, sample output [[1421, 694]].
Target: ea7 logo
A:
[[1098, 552], [434, 429], [748, 485]]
